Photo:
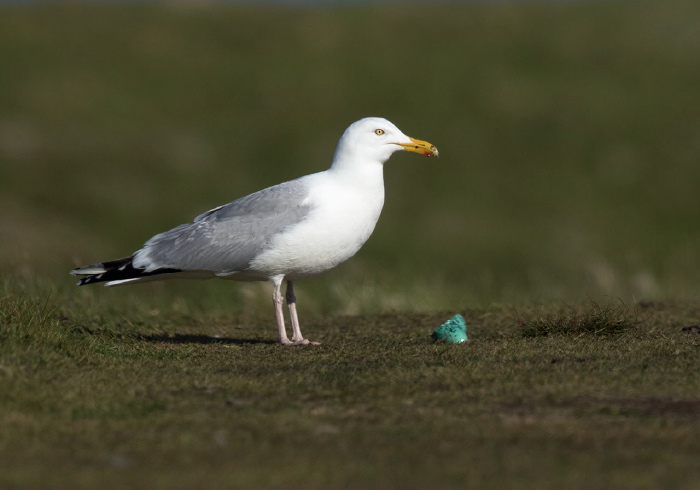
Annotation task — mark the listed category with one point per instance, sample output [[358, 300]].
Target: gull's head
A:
[[376, 139]]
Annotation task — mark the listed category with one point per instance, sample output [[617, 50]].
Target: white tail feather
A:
[[123, 281], [89, 270]]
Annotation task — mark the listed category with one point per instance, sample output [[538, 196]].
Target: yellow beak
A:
[[423, 147]]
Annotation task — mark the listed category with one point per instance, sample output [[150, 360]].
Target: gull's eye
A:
[[379, 132]]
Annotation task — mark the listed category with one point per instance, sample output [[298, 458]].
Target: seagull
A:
[[288, 232]]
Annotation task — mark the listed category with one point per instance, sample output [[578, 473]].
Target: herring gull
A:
[[290, 231]]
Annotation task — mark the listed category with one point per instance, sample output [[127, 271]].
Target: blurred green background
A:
[[569, 137]]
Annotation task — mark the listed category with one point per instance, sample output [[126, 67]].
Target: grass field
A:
[[561, 220], [578, 396]]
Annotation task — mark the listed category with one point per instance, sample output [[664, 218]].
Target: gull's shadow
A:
[[180, 338], [172, 338]]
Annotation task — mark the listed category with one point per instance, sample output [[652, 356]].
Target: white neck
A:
[[362, 173]]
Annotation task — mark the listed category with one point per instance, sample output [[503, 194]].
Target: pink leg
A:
[[297, 337], [279, 313]]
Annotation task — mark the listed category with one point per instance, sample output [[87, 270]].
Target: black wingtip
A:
[[116, 270]]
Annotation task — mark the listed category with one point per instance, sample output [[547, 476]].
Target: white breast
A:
[[344, 214]]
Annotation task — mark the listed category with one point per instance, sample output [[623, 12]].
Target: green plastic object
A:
[[453, 331]]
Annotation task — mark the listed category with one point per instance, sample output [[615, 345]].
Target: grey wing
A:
[[229, 237]]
